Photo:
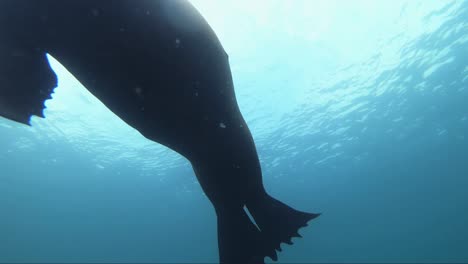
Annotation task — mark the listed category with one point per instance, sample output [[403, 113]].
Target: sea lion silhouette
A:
[[159, 66]]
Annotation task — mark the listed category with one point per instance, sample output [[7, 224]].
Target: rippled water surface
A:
[[358, 108]]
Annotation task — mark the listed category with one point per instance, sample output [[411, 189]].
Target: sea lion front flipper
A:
[[26, 81]]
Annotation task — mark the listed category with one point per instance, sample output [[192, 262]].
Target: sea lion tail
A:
[[278, 222]]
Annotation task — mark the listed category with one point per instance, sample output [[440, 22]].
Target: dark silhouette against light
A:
[[159, 66]]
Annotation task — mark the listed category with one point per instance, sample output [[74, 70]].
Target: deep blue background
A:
[[378, 145]]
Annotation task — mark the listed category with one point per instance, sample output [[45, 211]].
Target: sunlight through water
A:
[[358, 110]]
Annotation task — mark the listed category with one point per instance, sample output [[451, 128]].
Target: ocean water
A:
[[358, 109]]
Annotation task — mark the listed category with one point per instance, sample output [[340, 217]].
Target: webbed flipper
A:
[[26, 81]]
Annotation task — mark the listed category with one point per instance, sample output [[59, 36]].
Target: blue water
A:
[[358, 108]]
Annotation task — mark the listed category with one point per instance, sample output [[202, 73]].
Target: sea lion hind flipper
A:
[[239, 240], [26, 82], [278, 222]]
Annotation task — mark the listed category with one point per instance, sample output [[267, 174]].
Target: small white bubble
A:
[[148, 13], [95, 12], [122, 29], [138, 90], [222, 125], [177, 42], [196, 93]]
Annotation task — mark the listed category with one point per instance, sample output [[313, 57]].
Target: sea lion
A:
[[159, 66]]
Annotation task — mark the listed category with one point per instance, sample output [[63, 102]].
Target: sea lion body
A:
[[160, 68]]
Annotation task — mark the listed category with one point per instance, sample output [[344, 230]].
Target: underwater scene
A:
[[358, 110]]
